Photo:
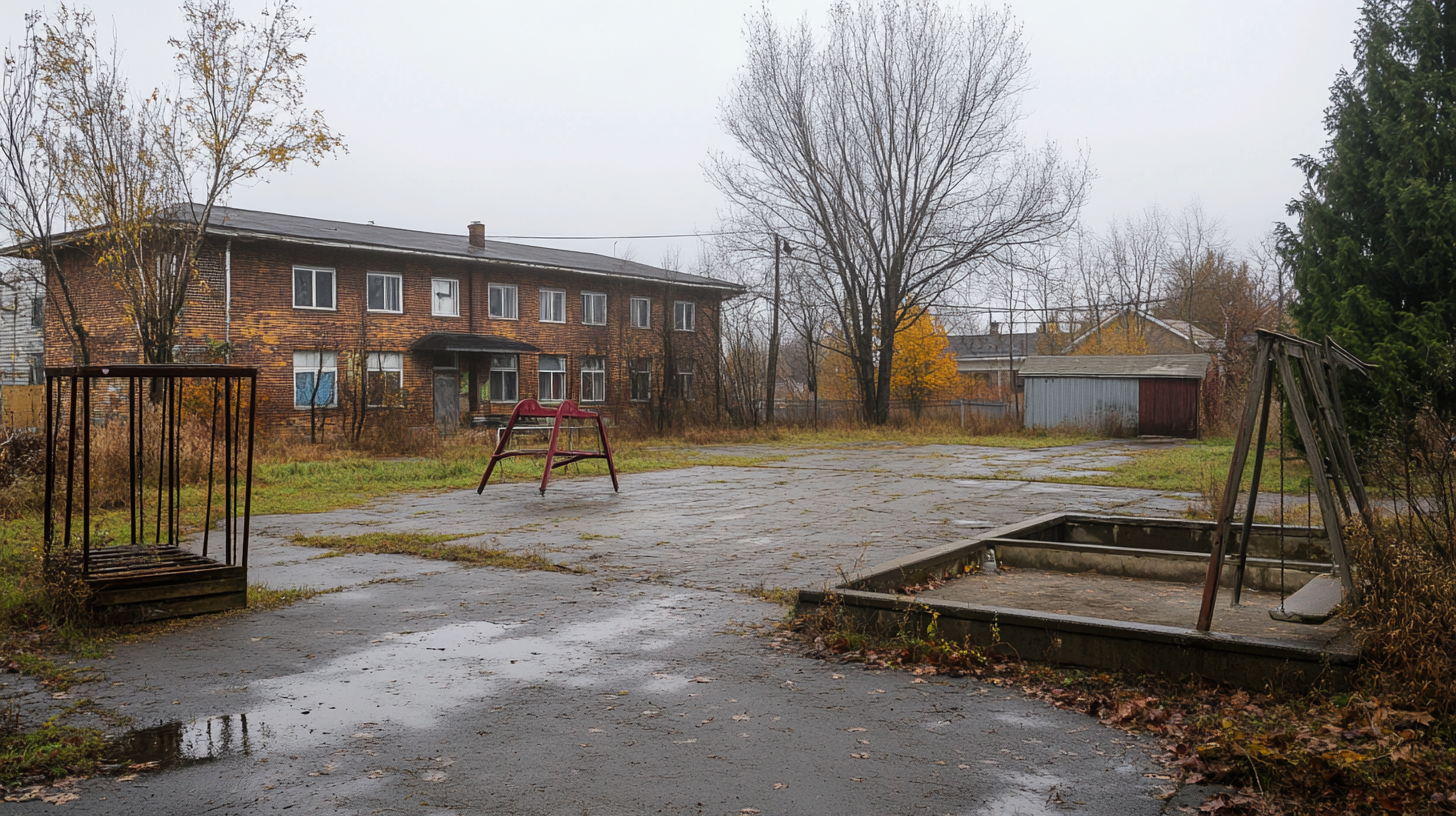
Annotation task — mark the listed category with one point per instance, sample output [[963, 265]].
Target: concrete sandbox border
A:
[[871, 600]]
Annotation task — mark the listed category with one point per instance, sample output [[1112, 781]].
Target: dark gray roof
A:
[[1185, 366], [1019, 344], [231, 222], [476, 343]]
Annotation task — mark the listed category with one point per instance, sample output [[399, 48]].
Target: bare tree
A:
[[890, 152], [145, 173], [32, 201]]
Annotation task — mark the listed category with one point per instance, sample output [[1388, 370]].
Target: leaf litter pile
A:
[[1314, 753]]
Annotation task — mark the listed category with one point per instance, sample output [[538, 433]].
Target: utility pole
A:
[[773, 337]]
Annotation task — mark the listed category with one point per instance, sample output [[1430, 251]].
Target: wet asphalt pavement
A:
[[649, 685]]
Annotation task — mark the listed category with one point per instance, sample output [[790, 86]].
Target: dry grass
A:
[[1407, 566], [432, 546]]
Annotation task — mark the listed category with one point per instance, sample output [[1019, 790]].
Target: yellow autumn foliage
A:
[[924, 368]]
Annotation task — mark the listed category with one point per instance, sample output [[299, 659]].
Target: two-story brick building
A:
[[341, 317]]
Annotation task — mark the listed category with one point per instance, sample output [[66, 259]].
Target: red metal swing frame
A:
[[555, 457]]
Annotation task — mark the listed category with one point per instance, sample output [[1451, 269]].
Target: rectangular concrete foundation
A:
[[1127, 566]]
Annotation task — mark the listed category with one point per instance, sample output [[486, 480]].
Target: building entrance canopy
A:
[[472, 344]]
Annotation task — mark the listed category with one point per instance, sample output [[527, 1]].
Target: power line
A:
[[616, 237]]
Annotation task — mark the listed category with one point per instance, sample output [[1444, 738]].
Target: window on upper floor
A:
[[384, 292], [593, 379], [503, 301], [553, 305], [594, 308], [314, 375], [37, 312], [641, 313], [682, 316], [313, 288], [445, 301], [384, 376]]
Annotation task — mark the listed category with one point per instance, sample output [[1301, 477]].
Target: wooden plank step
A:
[[163, 592], [215, 572], [181, 607], [1313, 604]]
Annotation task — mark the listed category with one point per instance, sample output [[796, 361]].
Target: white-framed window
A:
[[37, 368], [639, 371], [37, 312], [445, 297], [314, 376], [594, 308], [641, 313], [504, 377], [593, 379], [553, 305], [686, 372], [551, 371], [313, 288], [383, 293], [503, 301], [682, 315], [384, 379]]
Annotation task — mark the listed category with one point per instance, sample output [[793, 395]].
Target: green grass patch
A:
[[348, 481], [50, 751], [433, 546], [1194, 465], [924, 434], [261, 597]]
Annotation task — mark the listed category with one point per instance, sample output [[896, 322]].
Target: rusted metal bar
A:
[[86, 476], [70, 463], [52, 426], [211, 467], [252, 378]]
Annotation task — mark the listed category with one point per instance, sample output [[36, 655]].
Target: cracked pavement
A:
[[648, 685]]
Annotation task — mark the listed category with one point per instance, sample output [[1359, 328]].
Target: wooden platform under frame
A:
[[130, 584]]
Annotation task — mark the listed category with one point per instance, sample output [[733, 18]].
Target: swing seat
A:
[[1313, 604]]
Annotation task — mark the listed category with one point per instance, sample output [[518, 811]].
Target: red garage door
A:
[[1168, 407]]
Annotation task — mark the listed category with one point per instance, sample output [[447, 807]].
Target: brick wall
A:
[[265, 328]]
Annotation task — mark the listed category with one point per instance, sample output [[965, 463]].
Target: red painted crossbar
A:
[[555, 457]]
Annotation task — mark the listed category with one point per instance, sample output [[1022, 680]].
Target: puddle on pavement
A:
[[413, 679], [175, 744]]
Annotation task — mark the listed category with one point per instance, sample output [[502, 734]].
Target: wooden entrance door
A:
[[447, 400], [1168, 407]]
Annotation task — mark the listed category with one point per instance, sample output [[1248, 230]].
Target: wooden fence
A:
[[22, 406]]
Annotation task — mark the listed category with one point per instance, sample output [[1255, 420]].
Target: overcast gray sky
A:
[[594, 118]]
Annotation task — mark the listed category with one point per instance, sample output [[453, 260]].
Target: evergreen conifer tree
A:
[[1373, 250]]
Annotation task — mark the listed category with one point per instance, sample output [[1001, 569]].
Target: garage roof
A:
[[1140, 366]]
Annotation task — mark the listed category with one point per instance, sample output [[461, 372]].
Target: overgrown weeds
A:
[[22, 471], [1407, 566]]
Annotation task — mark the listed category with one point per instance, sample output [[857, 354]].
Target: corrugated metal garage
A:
[[1151, 394]]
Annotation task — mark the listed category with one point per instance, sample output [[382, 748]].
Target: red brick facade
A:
[[263, 327]]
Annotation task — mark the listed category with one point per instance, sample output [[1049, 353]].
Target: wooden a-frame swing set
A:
[[1308, 374]]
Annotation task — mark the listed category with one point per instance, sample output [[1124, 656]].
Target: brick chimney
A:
[[477, 234]]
